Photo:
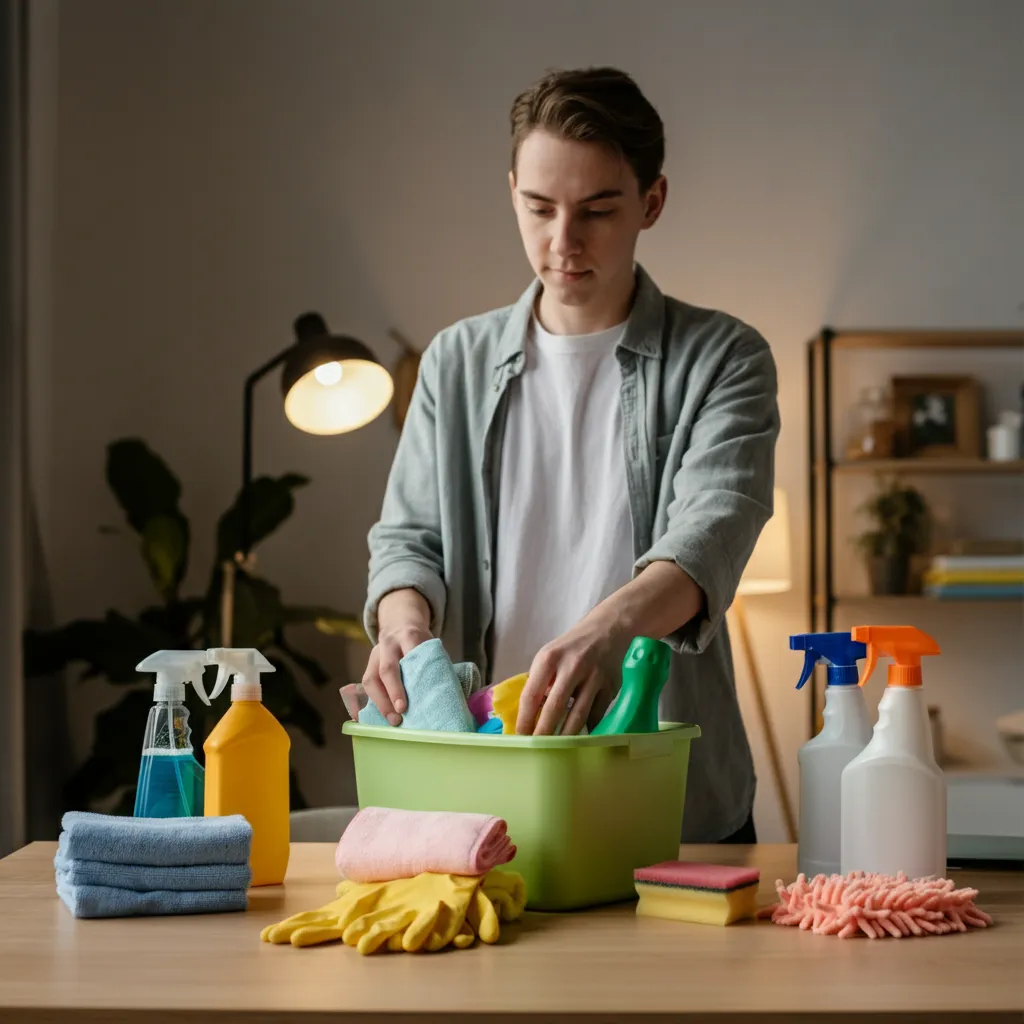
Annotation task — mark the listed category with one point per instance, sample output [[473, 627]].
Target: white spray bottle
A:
[[845, 732], [170, 778], [893, 792]]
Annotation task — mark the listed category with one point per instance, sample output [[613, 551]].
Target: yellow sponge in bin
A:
[[700, 893]]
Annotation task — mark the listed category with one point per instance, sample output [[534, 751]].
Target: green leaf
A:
[[257, 611], [175, 621], [270, 504], [165, 550], [350, 628], [327, 620], [141, 481], [315, 672], [110, 647], [114, 760]]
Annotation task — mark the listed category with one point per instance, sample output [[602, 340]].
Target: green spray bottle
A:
[[644, 674]]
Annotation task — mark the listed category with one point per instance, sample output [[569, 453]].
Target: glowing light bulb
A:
[[329, 374]]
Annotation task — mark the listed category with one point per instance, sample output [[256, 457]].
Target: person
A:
[[590, 464]]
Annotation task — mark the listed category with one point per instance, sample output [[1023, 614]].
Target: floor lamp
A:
[[330, 384], [769, 571]]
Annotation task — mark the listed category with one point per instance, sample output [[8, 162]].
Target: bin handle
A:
[[654, 744]]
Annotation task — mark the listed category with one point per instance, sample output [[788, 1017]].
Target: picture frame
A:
[[937, 416]]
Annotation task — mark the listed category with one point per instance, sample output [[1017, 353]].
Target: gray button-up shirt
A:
[[700, 421]]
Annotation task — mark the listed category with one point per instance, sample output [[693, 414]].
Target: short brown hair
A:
[[602, 105]]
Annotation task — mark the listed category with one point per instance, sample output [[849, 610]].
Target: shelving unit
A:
[[824, 469]]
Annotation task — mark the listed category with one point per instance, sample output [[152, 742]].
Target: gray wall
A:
[[223, 166]]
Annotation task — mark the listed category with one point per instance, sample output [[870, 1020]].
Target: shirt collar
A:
[[643, 330]]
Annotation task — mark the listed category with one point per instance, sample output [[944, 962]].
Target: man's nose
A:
[[565, 238]]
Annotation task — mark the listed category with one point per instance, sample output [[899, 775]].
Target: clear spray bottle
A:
[[170, 778]]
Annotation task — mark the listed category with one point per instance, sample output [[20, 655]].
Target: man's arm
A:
[[406, 595], [683, 585], [405, 543], [724, 487]]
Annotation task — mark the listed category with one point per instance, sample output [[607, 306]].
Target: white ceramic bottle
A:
[[845, 731], [893, 792]]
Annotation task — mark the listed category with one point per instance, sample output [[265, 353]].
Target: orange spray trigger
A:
[[869, 665], [904, 644]]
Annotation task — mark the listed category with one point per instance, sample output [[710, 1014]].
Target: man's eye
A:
[[539, 211], [598, 213]]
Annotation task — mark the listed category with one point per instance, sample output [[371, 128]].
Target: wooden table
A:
[[604, 964]]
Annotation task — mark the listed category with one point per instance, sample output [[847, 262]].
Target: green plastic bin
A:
[[583, 811]]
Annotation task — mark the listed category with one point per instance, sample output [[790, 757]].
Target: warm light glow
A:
[[329, 374], [769, 570], [359, 394]]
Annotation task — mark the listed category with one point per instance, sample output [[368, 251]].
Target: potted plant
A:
[[900, 529], [110, 648]]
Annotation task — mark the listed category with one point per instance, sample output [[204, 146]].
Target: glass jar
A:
[[872, 429]]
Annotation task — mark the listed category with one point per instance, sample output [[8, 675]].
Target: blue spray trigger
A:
[[839, 651]]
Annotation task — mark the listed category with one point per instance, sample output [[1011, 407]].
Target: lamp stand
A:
[[766, 724]]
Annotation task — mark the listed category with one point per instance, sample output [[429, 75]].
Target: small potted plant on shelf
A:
[[900, 529]]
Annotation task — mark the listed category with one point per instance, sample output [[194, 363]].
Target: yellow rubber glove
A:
[[423, 913], [501, 897]]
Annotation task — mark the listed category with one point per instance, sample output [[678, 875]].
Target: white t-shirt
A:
[[565, 533]]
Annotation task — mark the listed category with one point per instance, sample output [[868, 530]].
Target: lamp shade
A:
[[769, 570], [332, 383]]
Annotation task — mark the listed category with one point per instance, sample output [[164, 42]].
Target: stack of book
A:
[[984, 577]]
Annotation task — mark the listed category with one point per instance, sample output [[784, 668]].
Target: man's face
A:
[[580, 210]]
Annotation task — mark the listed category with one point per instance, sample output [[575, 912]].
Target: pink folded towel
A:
[[381, 844]]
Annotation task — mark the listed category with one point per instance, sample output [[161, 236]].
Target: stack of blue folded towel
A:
[[110, 866]]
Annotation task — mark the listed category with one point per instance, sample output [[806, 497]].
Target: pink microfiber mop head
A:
[[381, 844], [877, 906]]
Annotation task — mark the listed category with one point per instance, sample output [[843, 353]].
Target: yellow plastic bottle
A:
[[247, 763]]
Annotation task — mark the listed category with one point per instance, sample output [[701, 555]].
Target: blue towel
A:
[[435, 691], [105, 901], [156, 842], [146, 878]]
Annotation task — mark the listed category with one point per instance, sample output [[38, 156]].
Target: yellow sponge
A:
[[701, 893]]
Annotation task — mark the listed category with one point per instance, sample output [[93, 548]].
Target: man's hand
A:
[[404, 618], [582, 664], [585, 663]]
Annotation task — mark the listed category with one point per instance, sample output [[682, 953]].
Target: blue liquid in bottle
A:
[[170, 785], [171, 780]]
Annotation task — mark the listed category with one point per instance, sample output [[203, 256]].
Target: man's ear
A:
[[654, 201]]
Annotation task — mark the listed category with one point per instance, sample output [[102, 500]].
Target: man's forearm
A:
[[406, 607], [660, 600]]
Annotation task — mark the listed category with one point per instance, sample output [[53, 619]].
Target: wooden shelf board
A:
[[927, 466], [924, 599], [928, 339], [918, 598]]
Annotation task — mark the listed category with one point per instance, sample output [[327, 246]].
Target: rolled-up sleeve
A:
[[723, 490], [405, 544]]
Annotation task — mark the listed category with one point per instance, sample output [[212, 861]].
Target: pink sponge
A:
[[701, 893]]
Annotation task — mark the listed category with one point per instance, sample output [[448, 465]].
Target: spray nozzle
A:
[[904, 644], [174, 671], [839, 651], [244, 664]]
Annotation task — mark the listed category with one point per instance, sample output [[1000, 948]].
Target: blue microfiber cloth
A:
[[106, 901], [146, 878], [435, 691], [155, 842]]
